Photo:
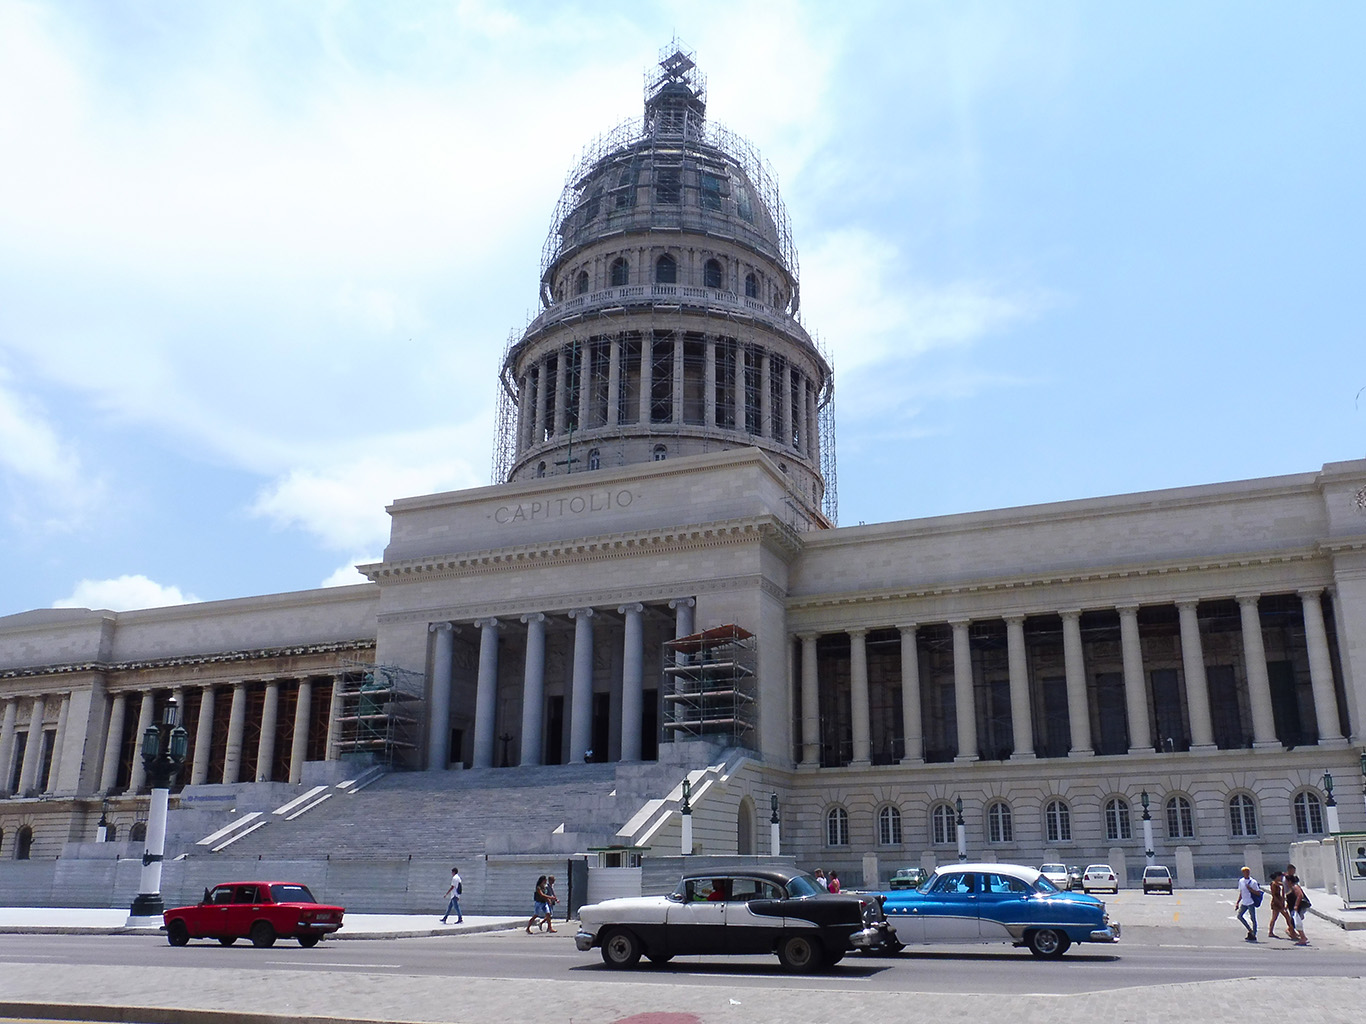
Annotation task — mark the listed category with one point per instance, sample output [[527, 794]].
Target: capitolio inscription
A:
[[554, 508]]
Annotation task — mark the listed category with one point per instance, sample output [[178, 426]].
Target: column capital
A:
[[1251, 599], [1186, 602], [807, 636], [1314, 593], [531, 617], [908, 627], [630, 609], [683, 602], [857, 631], [581, 613], [489, 623], [960, 622], [1070, 613], [1014, 617], [1129, 608], [440, 627]]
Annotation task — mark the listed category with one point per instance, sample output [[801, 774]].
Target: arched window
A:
[[1242, 815], [837, 827], [23, 843], [942, 830], [744, 828], [581, 284], [666, 270], [778, 301], [1057, 822], [751, 286], [1180, 819], [661, 453], [889, 826], [711, 274], [1000, 828], [1117, 824], [1308, 814], [594, 458], [138, 833], [540, 469], [619, 272], [111, 833]]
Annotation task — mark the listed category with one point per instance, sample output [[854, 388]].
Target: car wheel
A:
[[621, 949], [262, 935], [226, 940], [177, 934], [800, 954], [309, 941], [1048, 943]]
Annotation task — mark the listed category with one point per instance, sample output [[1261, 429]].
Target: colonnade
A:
[[33, 772], [533, 687], [1135, 684]]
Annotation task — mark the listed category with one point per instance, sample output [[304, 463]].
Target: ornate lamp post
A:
[[102, 828], [1331, 804], [1148, 850], [686, 811], [773, 825], [962, 831], [163, 752]]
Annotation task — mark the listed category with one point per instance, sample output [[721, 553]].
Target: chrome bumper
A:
[[1107, 934], [584, 941], [869, 938]]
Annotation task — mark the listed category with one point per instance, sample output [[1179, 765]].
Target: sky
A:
[[259, 260]]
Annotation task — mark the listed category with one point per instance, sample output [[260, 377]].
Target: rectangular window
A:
[[668, 185], [712, 186]]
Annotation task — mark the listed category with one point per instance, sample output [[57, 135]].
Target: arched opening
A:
[[594, 458], [138, 833], [581, 285], [111, 833], [666, 270], [23, 843], [661, 453], [711, 274], [751, 286], [744, 828], [619, 272]]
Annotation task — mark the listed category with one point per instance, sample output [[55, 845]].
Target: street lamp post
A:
[[962, 831], [102, 828], [1148, 850], [164, 745], [773, 825], [686, 812], [1332, 805]]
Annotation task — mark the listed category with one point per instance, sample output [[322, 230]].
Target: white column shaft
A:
[[1258, 681], [1320, 667], [1074, 661], [1197, 688], [1135, 683], [303, 717], [1021, 721], [811, 702], [439, 712], [912, 726], [270, 718], [203, 739], [237, 725], [28, 773], [138, 776], [113, 743], [533, 690], [581, 693], [486, 694], [858, 696], [632, 681], [964, 701], [7, 744]]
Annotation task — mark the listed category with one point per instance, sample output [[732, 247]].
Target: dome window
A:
[[666, 270], [751, 286], [661, 453], [742, 204], [594, 458], [713, 188], [668, 185], [540, 469], [626, 185], [711, 274], [581, 284], [620, 271]]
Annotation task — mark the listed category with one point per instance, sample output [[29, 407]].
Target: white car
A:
[[1055, 873], [1099, 876]]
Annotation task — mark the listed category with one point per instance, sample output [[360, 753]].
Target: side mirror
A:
[[206, 897], [675, 897]]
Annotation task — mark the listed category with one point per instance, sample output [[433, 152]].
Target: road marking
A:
[[327, 963]]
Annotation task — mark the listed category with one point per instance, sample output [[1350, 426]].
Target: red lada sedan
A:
[[260, 911]]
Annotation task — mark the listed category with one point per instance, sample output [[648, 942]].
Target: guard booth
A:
[[1351, 853], [614, 871]]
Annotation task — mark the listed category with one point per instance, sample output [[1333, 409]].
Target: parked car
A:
[[260, 911], [1073, 878], [908, 878], [766, 910], [976, 903], [1099, 876], [1055, 873], [1157, 879]]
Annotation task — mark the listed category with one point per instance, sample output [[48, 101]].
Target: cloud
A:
[[43, 470], [347, 575], [123, 594]]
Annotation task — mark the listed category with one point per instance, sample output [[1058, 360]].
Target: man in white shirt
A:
[[1249, 895], [453, 894]]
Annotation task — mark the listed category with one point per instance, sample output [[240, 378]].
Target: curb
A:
[[163, 1015]]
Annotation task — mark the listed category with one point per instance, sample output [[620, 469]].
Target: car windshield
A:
[[1043, 884], [803, 885], [1155, 872], [291, 894]]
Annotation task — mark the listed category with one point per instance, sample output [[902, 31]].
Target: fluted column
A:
[[533, 690], [1135, 681], [113, 743], [912, 726], [303, 717], [647, 359], [1320, 669], [964, 700], [709, 382], [1197, 688], [765, 394], [7, 744], [270, 717], [811, 702], [237, 724], [1074, 661], [486, 693], [632, 680], [614, 381], [138, 775], [581, 692], [439, 711], [1258, 681], [677, 394], [1021, 721], [858, 697], [203, 739], [28, 773]]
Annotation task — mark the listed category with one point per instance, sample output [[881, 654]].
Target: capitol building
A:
[[655, 588]]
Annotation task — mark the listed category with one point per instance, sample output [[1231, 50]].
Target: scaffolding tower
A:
[[379, 712], [712, 691]]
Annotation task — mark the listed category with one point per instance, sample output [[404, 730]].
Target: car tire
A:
[[226, 940], [621, 949], [309, 941], [262, 935], [177, 934], [800, 954], [1047, 943]]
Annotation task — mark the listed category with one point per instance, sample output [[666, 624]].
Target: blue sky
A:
[[259, 261]]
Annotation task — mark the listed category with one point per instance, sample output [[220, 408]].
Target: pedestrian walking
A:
[[834, 882], [453, 895], [1278, 907], [552, 899], [540, 906], [1249, 896], [1297, 903], [820, 879]]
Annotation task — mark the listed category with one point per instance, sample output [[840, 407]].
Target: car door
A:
[[949, 910], [999, 903], [242, 910], [213, 917], [697, 924], [753, 915]]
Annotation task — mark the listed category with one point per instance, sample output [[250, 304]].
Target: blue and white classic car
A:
[[977, 903]]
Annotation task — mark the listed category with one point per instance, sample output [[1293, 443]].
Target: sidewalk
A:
[[76, 921]]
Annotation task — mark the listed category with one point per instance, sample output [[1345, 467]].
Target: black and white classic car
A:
[[758, 911]]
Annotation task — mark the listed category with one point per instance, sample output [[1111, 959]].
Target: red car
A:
[[260, 911]]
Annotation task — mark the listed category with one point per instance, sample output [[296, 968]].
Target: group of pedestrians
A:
[[829, 884], [1288, 900], [542, 904]]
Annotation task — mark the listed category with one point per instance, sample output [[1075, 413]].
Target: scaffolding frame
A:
[[378, 713], [710, 687]]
